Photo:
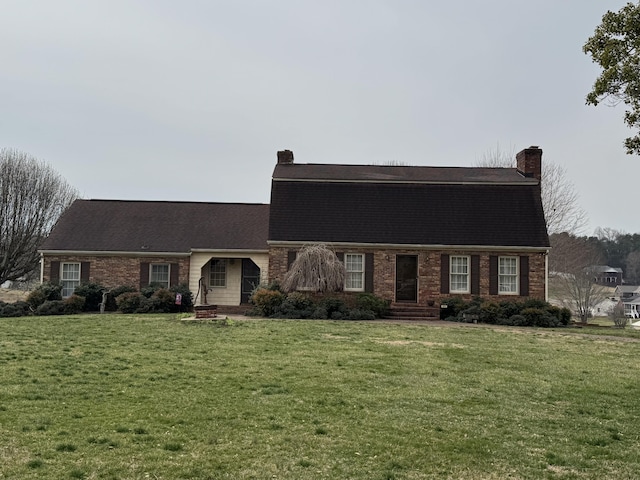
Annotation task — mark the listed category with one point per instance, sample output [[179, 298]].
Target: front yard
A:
[[154, 397]]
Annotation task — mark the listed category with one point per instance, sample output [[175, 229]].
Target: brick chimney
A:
[[285, 157], [529, 162]]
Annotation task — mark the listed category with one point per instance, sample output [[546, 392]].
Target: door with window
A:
[[250, 279], [406, 278]]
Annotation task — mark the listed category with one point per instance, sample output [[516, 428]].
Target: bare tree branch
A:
[[559, 196], [573, 267], [32, 198]]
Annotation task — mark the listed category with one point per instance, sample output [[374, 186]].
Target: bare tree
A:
[[32, 198], [559, 196], [316, 268], [574, 275]]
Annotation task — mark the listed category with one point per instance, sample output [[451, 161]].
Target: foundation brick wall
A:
[[429, 264], [117, 271]]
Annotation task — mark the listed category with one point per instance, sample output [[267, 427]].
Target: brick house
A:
[[417, 234], [413, 235], [218, 249]]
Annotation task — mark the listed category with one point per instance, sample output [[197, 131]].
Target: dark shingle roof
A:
[[139, 226], [403, 174], [466, 206]]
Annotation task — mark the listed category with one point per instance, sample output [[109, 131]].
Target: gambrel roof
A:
[[152, 226], [399, 205]]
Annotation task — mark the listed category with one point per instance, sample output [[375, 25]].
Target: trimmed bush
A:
[[51, 307], [266, 301], [509, 308], [295, 305], [334, 305], [129, 302], [369, 301], [74, 304], [359, 314], [92, 292], [539, 317], [17, 309], [320, 313], [44, 292], [518, 321], [489, 312], [114, 293]]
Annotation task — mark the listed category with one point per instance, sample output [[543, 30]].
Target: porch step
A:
[[413, 311]]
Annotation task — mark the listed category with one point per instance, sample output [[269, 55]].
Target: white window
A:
[[459, 274], [508, 275], [159, 274], [218, 273], [354, 266], [69, 278]]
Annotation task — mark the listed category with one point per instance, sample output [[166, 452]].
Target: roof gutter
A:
[[103, 253], [497, 248]]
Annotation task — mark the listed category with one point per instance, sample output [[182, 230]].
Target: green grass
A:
[[151, 397]]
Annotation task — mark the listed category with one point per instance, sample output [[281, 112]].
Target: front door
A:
[[406, 278], [250, 279]]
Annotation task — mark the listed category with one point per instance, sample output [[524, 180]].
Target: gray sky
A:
[[190, 100]]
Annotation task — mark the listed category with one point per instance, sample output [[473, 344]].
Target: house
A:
[[416, 234], [219, 249], [632, 306], [607, 276], [623, 292], [410, 234]]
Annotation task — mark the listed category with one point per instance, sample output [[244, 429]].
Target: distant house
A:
[[413, 235], [623, 292], [607, 276], [632, 306]]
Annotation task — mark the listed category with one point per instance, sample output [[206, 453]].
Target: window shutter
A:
[[524, 276], [475, 274], [54, 272], [144, 275], [291, 257], [84, 272], [444, 273], [368, 272], [493, 275], [340, 256], [174, 274]]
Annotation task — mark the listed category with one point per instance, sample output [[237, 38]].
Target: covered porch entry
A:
[[226, 279]]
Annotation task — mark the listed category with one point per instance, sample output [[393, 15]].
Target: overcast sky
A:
[[191, 99]]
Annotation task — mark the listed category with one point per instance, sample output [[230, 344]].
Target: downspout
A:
[[41, 267], [546, 276]]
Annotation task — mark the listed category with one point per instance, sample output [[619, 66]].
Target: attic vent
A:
[[285, 156]]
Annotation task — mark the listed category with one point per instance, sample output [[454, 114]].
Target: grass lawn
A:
[[151, 397]]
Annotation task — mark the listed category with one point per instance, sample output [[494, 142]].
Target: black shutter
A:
[[54, 272], [475, 274], [444, 273], [174, 274], [493, 275], [368, 272], [291, 257], [144, 275], [84, 272], [340, 256], [524, 276]]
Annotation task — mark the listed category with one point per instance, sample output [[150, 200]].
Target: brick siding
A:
[[114, 271], [429, 265]]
